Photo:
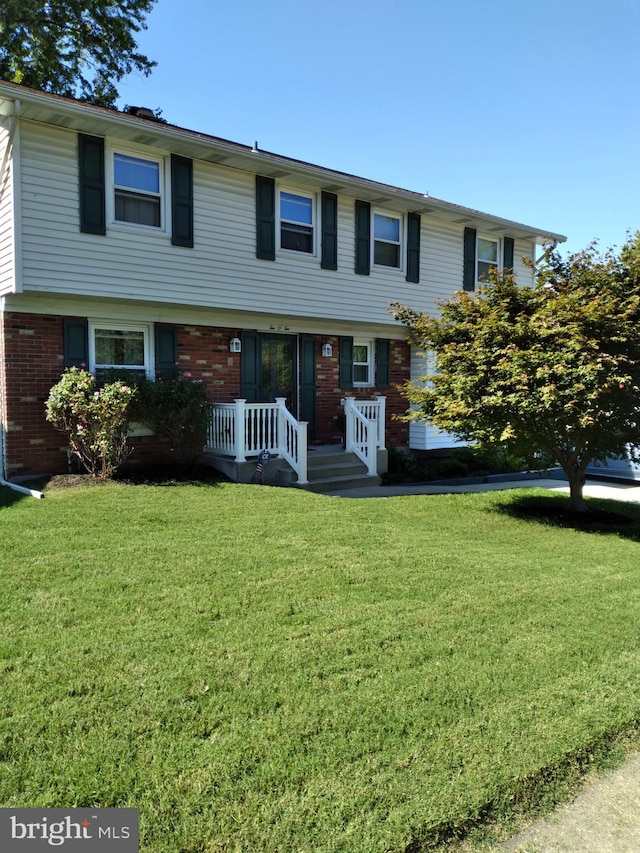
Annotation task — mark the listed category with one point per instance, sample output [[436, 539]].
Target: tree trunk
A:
[[576, 477]]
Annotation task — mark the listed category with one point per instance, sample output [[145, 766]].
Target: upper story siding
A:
[[221, 271], [7, 253]]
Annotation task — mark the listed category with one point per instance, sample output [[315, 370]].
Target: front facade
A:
[[128, 242]]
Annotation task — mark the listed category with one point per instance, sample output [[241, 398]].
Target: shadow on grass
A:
[[601, 516], [9, 497]]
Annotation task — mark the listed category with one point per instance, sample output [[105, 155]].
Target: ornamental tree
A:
[[76, 48], [552, 368]]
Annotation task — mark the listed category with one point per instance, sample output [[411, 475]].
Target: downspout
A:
[[549, 246]]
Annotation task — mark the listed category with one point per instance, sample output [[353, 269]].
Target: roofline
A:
[[418, 202]]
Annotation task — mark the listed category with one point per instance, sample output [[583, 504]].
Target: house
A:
[[129, 242]]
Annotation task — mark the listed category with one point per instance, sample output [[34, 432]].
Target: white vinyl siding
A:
[[7, 248], [221, 271], [423, 435]]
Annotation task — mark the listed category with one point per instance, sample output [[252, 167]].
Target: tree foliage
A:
[[551, 368], [76, 48]]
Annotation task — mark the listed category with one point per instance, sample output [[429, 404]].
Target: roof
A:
[[85, 118]]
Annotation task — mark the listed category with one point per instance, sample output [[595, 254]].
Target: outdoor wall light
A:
[[235, 345], [327, 350]]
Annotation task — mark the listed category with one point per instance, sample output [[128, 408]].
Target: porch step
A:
[[336, 470]]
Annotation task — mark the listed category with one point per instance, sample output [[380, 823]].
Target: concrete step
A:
[[335, 470], [338, 484]]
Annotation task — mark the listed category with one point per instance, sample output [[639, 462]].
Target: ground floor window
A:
[[114, 346], [362, 363]]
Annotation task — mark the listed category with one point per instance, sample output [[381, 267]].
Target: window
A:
[[386, 240], [137, 184], [296, 222], [119, 346], [362, 363], [486, 258]]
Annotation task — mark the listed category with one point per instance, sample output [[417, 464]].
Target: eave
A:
[[74, 115]]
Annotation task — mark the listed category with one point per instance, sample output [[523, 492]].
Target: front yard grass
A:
[[265, 670]]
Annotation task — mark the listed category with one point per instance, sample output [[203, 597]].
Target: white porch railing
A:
[[242, 429], [365, 429]]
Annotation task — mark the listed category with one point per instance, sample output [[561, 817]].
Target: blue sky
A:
[[528, 111]]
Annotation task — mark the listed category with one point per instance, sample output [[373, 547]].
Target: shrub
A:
[[177, 410], [96, 420]]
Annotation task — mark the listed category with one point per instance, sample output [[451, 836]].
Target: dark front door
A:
[[269, 368]]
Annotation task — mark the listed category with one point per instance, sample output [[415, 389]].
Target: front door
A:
[[269, 368], [277, 369]]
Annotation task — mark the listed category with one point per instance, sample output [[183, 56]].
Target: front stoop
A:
[[335, 470]]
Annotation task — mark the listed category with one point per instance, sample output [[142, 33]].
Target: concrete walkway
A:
[[594, 488], [605, 816]]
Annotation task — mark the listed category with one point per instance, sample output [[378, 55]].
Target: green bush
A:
[[177, 410], [96, 420]]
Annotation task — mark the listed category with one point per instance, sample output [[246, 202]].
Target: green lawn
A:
[[263, 669]]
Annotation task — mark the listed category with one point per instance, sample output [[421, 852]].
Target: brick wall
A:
[[329, 412], [34, 362]]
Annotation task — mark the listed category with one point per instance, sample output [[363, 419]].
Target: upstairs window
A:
[[137, 184], [387, 233], [296, 222], [486, 258]]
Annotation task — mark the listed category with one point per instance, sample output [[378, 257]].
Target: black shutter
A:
[[329, 231], [181, 201], [363, 237], [469, 259], [413, 247], [383, 350], [75, 342], [308, 387], [346, 362], [507, 254], [93, 218], [265, 218], [166, 352], [249, 367]]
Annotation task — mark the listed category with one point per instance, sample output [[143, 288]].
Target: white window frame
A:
[[487, 239], [387, 214], [314, 221], [370, 363], [163, 178], [118, 326]]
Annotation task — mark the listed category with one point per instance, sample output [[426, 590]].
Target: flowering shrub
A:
[[96, 420]]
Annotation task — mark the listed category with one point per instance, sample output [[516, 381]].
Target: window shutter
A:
[[249, 367], [469, 259], [265, 218], [329, 231], [181, 201], [383, 351], [75, 347], [93, 218], [507, 254], [413, 247], [166, 352], [363, 237], [346, 362]]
